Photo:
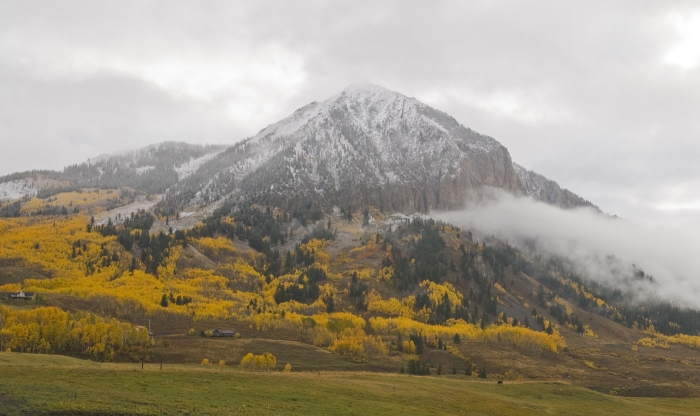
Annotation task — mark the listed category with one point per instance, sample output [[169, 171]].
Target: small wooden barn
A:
[[221, 333]]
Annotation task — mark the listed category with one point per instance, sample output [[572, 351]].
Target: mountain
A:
[[152, 169], [366, 146]]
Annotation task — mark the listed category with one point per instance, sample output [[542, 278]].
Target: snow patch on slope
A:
[[119, 214], [16, 189], [186, 169], [144, 169]]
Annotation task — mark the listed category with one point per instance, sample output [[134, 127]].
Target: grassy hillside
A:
[[60, 385], [329, 293]]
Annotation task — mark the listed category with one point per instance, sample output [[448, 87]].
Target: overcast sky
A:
[[603, 97]]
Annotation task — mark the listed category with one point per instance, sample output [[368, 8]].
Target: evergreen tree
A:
[[540, 297], [330, 303]]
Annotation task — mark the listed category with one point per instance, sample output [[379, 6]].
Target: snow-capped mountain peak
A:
[[361, 142], [364, 146]]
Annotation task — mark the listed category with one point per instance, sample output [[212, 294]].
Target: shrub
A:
[[205, 362], [288, 368], [513, 375]]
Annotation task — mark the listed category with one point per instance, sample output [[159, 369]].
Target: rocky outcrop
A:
[[546, 190]]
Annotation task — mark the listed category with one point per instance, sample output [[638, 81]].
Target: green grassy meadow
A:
[[36, 384]]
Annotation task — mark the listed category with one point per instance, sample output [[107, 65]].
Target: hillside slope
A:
[[346, 292]]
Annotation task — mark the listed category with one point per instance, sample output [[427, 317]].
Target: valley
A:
[[311, 249]]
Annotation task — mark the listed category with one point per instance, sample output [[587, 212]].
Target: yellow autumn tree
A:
[[409, 347]]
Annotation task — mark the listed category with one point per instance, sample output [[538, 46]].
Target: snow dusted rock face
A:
[[546, 190], [371, 146]]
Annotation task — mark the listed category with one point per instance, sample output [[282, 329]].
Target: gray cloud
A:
[[47, 123], [585, 94]]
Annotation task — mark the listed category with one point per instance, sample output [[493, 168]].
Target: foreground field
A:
[[48, 384]]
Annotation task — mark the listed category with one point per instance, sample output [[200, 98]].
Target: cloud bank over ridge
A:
[[602, 248]]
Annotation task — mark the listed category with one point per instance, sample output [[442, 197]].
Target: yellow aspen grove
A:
[[215, 248], [658, 340], [51, 330], [263, 362], [518, 336]]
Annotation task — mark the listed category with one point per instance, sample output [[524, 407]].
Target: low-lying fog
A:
[[670, 254]]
